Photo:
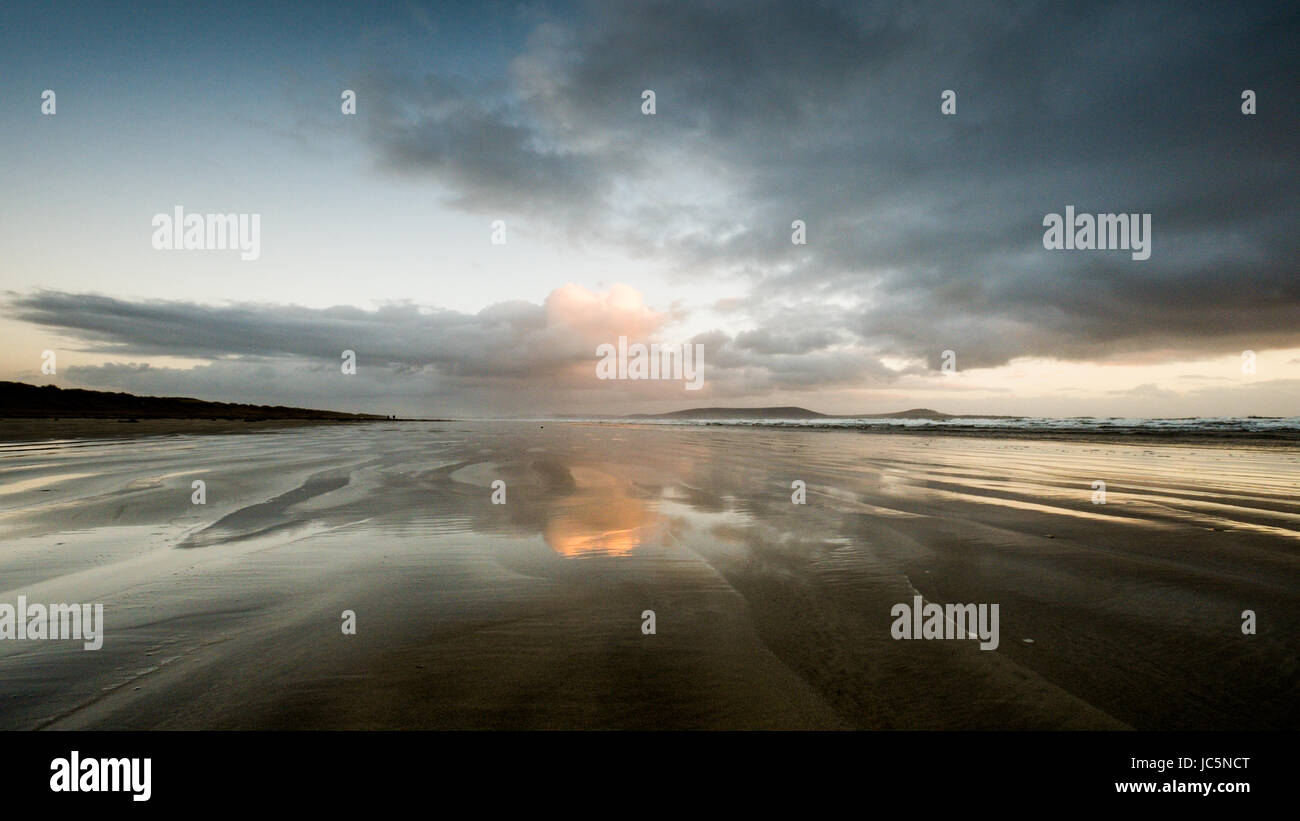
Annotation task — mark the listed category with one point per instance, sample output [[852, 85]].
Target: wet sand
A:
[[768, 614]]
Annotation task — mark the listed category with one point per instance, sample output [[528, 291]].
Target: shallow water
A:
[[529, 614]]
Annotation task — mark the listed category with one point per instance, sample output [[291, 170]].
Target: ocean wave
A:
[[1204, 425]]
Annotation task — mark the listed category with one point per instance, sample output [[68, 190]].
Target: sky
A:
[[525, 122]]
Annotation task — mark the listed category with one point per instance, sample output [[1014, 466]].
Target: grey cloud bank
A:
[[830, 113]]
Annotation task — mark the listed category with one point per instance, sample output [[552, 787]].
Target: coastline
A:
[[27, 429], [19, 429], [1288, 437]]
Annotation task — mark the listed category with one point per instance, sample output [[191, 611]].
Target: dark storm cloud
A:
[[468, 134], [829, 113], [505, 339], [547, 350]]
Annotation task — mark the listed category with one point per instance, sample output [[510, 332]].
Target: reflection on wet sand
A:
[[527, 614], [599, 517]]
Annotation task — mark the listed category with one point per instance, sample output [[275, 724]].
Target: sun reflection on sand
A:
[[600, 519]]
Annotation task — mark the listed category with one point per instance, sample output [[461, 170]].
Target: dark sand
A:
[[528, 615]]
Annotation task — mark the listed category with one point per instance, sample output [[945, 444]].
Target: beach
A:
[[529, 614]]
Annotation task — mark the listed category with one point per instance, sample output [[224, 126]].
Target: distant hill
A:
[[19, 400], [913, 413], [791, 412]]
